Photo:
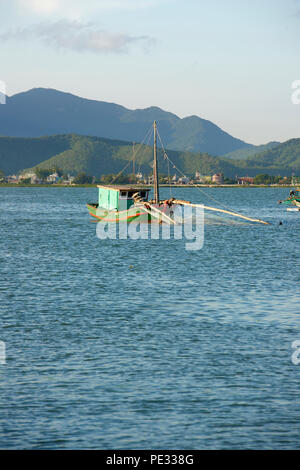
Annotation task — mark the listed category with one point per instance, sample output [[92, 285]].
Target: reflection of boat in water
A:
[[293, 201], [129, 203]]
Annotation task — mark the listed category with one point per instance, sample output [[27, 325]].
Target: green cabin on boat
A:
[[119, 198]]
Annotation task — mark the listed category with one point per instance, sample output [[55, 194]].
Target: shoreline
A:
[[13, 185]]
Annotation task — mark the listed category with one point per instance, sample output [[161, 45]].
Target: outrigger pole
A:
[[235, 214], [155, 172]]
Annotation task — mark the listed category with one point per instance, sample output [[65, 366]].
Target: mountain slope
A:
[[19, 153], [285, 156], [42, 112], [247, 152], [97, 156]]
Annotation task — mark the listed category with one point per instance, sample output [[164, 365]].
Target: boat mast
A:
[[133, 159], [155, 172]]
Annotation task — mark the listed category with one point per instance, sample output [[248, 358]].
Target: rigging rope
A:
[[169, 177], [141, 145]]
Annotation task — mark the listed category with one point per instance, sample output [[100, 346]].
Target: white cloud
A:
[[77, 36], [71, 8], [41, 6]]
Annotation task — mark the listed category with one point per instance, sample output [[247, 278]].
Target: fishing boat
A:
[[293, 201], [129, 203], [119, 203]]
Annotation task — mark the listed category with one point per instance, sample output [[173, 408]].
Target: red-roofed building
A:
[[245, 180]]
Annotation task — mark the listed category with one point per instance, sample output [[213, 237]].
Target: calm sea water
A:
[[136, 344]]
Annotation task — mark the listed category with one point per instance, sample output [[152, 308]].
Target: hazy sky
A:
[[230, 61]]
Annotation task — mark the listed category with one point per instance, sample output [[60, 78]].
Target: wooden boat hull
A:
[[137, 214], [114, 216]]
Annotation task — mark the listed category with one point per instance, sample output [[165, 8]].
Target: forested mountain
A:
[[247, 152], [43, 112], [285, 155]]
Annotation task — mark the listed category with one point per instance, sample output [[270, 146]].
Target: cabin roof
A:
[[122, 188]]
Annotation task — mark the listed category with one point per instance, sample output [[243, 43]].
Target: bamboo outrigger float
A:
[[128, 203]]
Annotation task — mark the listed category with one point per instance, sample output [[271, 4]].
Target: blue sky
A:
[[232, 62]]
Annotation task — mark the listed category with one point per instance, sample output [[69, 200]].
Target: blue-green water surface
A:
[[141, 344]]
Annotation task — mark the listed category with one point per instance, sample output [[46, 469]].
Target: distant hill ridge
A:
[[44, 112]]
